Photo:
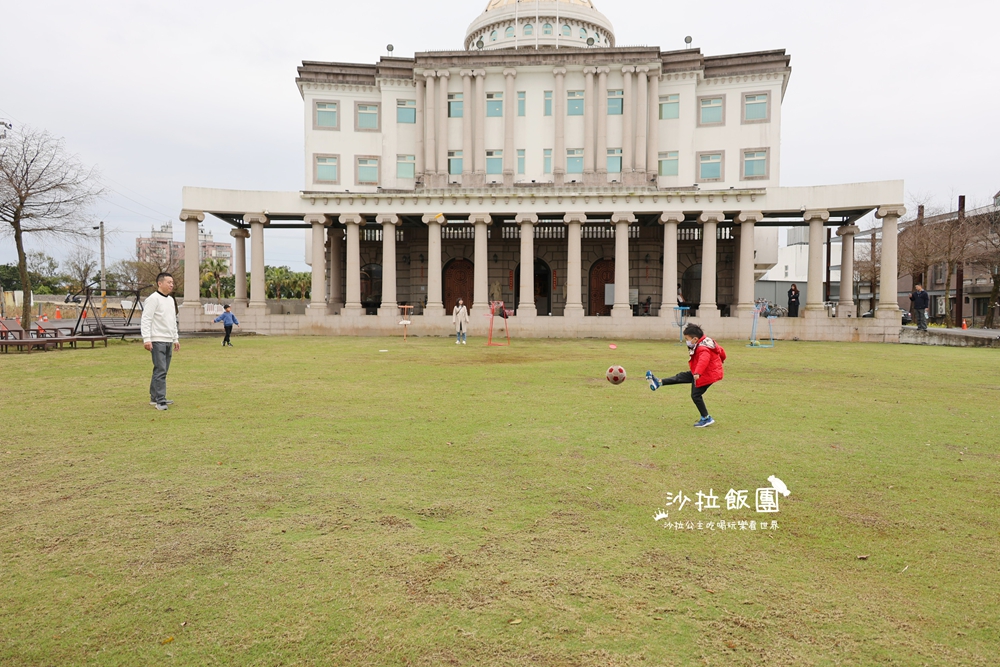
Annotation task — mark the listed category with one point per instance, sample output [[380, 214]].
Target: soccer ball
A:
[[616, 375]]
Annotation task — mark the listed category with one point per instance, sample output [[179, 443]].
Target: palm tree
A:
[[303, 284], [214, 269], [278, 277]]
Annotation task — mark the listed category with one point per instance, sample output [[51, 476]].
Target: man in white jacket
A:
[[159, 336]]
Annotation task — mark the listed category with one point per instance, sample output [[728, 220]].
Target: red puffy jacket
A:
[[706, 361]]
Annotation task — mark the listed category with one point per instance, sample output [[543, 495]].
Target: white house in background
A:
[[543, 165], [792, 266]]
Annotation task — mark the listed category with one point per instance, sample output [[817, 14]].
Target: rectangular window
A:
[[574, 161], [755, 108], [494, 162], [614, 160], [521, 103], [547, 161], [520, 161], [755, 164], [668, 163], [455, 163], [616, 102], [368, 117], [494, 105], [670, 107], [710, 167], [711, 111], [455, 105], [327, 170], [548, 102], [367, 171], [327, 115], [406, 166], [574, 103], [406, 111]]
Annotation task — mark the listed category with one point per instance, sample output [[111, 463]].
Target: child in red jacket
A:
[[706, 369]]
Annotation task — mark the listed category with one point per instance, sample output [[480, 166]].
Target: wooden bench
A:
[[13, 335]]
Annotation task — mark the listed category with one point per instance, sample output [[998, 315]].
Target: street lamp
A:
[[104, 283]]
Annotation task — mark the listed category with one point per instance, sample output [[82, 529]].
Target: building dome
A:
[[509, 24]]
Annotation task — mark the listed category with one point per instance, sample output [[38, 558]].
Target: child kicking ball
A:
[[706, 357]]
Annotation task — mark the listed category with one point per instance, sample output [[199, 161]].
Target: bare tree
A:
[[43, 191], [954, 239], [81, 265], [868, 264]]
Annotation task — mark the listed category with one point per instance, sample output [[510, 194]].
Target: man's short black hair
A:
[[693, 331], [161, 276], [227, 306]]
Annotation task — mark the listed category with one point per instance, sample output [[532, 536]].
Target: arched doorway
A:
[[602, 273], [691, 286], [457, 281], [543, 287], [371, 288]]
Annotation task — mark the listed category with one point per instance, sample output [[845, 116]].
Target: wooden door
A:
[[601, 273], [457, 281]]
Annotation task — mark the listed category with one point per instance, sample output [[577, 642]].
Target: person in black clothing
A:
[[793, 301], [919, 302]]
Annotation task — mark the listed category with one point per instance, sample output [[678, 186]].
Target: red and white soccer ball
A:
[[616, 375]]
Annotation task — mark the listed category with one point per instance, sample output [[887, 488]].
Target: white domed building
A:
[[594, 189]]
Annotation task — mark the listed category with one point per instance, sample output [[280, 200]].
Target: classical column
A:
[[814, 291], [590, 158], [845, 306], [479, 164], [317, 297], [888, 302], [192, 258], [709, 220], [240, 265], [602, 123], [419, 149], [559, 111], [668, 302], [526, 302], [434, 304], [509, 114], [621, 221], [430, 130], [628, 134], [653, 140], [442, 133], [353, 223], [481, 270], [258, 290], [574, 264], [748, 261], [641, 109], [336, 236], [467, 148], [389, 305]]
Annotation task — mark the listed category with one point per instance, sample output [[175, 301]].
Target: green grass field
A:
[[314, 501]]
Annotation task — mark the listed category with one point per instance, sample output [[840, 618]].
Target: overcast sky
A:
[[159, 95]]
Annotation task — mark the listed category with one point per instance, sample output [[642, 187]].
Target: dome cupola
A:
[[507, 24]]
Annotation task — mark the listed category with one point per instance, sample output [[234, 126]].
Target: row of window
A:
[[710, 166], [711, 110], [529, 31]]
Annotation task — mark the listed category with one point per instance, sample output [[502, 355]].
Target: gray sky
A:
[[160, 95]]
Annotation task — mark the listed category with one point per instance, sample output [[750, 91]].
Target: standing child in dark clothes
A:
[[228, 320], [706, 357]]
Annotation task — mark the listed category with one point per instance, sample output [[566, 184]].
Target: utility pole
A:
[[960, 269], [104, 281]]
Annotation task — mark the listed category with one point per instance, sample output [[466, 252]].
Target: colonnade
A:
[[640, 136], [323, 300]]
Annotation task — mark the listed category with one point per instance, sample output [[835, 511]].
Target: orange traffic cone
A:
[[45, 318], [964, 324], [84, 313], [58, 314]]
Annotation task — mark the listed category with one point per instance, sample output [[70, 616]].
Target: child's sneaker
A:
[[704, 421], [654, 382]]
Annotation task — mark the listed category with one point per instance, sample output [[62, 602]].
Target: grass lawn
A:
[[314, 501]]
